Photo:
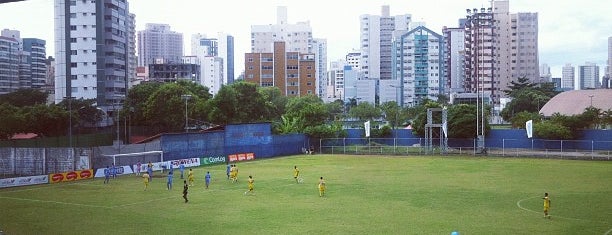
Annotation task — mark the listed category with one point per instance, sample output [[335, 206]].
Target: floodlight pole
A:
[[186, 97]]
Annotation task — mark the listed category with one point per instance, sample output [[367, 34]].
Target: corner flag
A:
[[366, 125], [529, 128]]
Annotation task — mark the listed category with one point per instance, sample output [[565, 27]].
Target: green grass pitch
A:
[[365, 195]]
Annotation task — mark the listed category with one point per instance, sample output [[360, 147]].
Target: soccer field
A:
[[365, 195]]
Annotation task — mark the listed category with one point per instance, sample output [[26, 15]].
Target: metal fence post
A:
[[503, 147]]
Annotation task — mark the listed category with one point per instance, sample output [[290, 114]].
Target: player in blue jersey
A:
[[207, 179], [182, 169], [169, 183], [106, 175], [227, 170], [113, 171]]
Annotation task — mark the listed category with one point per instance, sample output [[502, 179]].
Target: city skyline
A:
[[565, 34]]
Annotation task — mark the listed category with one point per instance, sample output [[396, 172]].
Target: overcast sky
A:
[[569, 31]]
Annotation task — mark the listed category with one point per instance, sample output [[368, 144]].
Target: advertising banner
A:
[[121, 170], [212, 160], [189, 162], [238, 157], [23, 181], [71, 176]]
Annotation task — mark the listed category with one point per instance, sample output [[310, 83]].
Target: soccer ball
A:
[[300, 180]]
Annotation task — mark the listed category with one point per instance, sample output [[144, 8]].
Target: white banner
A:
[[22, 181], [121, 170], [529, 128], [445, 129], [367, 128]]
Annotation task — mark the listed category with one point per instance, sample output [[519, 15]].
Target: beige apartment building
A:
[[294, 73]]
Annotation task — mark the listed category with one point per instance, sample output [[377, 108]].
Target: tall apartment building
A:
[[132, 59], [376, 42], [545, 75], [36, 50], [27, 56], [156, 42], [568, 74], [9, 62], [480, 48], [335, 81], [588, 76], [609, 69], [222, 47], [297, 37], [353, 58], [292, 72], [92, 50], [419, 63], [503, 46], [523, 49], [454, 42]]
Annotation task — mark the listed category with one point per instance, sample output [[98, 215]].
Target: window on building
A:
[[72, 39], [73, 27], [73, 52], [73, 15], [73, 65], [73, 77]]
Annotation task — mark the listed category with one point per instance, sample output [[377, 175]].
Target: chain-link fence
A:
[[565, 149]]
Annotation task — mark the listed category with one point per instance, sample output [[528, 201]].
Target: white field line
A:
[[55, 202], [518, 203]]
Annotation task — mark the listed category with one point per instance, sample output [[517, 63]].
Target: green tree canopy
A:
[[365, 111], [24, 97]]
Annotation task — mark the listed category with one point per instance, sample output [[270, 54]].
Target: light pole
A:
[[591, 96], [69, 120], [186, 97]]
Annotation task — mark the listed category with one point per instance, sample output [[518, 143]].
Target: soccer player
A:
[[106, 175], [251, 185], [207, 179], [233, 173], [169, 183], [546, 205], [296, 174], [227, 170], [321, 187], [190, 177], [138, 167], [145, 180], [185, 188], [150, 172], [182, 169], [113, 171]]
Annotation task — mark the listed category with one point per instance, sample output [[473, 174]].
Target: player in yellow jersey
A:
[[145, 180], [190, 177], [321, 187], [251, 185], [546, 205], [296, 174]]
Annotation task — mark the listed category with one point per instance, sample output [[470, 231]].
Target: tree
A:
[[365, 111], [552, 130], [165, 108], [335, 109], [519, 120], [287, 125], [11, 120], [52, 120], [136, 101], [241, 102], [592, 117], [24, 97], [275, 103], [310, 110], [520, 84], [393, 113]]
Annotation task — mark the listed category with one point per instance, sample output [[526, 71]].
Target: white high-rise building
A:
[[297, 37], [92, 51], [419, 65], [545, 75], [376, 42], [222, 46], [158, 42], [568, 74], [454, 55], [353, 58], [335, 81], [588, 76], [609, 69]]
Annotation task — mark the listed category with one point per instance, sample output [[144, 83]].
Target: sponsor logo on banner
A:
[[22, 181], [241, 157], [189, 162], [71, 176], [212, 160]]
